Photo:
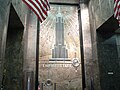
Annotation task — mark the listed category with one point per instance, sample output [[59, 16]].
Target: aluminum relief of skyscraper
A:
[[59, 50]]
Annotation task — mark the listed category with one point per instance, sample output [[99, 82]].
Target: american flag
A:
[[39, 7], [117, 10]]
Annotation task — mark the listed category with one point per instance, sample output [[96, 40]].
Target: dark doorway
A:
[[107, 50], [13, 65]]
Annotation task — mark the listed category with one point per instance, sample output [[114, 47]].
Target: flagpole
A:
[[37, 55]]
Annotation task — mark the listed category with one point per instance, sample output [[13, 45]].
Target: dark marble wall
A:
[[13, 64], [13, 58], [108, 62], [4, 12]]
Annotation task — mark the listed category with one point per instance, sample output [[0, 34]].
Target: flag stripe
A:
[[42, 8], [117, 10], [47, 4], [42, 4], [116, 7], [116, 14], [39, 7], [34, 9]]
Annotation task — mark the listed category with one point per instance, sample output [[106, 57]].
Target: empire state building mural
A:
[[59, 50], [59, 33], [59, 46]]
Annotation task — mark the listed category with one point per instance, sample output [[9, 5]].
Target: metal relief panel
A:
[[66, 33], [59, 45]]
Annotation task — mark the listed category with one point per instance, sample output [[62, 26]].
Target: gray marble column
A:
[[87, 47], [4, 17], [30, 48]]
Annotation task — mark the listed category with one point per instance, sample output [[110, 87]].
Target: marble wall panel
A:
[[108, 62], [103, 9], [4, 12]]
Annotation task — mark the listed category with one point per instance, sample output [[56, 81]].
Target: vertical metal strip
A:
[[37, 55], [81, 49]]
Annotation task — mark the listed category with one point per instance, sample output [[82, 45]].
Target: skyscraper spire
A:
[[59, 50]]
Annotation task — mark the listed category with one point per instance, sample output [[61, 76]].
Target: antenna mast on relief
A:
[[59, 12], [59, 50], [59, 9]]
